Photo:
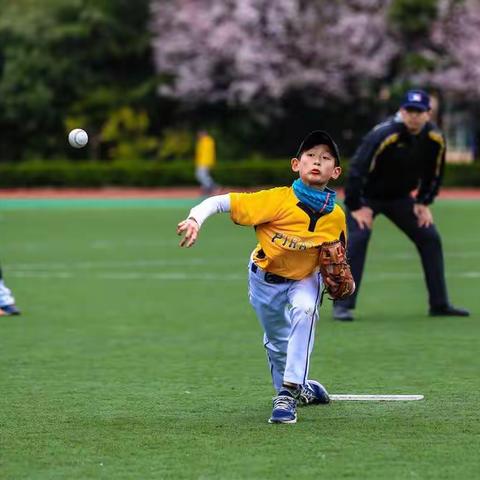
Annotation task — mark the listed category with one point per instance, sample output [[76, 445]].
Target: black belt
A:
[[270, 277]]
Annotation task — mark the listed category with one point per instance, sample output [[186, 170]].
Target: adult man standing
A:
[[405, 153]]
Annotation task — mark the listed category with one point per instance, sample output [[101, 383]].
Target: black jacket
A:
[[391, 162]]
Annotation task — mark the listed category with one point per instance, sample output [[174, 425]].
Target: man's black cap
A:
[[318, 137], [417, 100]]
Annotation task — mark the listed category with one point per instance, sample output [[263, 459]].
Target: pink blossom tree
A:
[[247, 51], [456, 37], [243, 52]]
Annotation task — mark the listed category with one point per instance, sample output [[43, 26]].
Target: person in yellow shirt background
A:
[[205, 159]]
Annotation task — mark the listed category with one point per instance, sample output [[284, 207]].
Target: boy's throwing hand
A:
[[190, 227]]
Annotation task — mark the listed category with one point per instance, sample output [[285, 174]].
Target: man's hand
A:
[[364, 217], [423, 214], [190, 227]]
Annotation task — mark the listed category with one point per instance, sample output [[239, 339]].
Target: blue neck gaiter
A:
[[318, 200]]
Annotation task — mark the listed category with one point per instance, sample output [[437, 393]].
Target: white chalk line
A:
[[48, 266], [167, 276], [103, 244], [207, 276], [375, 398], [235, 262], [108, 244]]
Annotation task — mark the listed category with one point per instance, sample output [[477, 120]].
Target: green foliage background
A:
[[65, 64], [88, 64], [126, 172]]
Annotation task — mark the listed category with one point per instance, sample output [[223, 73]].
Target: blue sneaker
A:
[[284, 408], [313, 393], [9, 310]]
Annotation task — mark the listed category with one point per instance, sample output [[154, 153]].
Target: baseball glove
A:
[[335, 270]]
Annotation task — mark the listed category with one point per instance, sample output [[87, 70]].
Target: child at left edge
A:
[[7, 302], [284, 281]]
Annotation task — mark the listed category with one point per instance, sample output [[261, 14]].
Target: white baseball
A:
[[78, 138]]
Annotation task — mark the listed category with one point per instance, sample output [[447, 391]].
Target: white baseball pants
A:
[[288, 313]]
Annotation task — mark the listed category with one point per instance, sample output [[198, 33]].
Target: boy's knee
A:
[[305, 309], [278, 348]]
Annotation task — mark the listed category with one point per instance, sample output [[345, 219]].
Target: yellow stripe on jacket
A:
[[438, 138], [394, 137]]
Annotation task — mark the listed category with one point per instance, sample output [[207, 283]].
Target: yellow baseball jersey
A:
[[205, 152], [288, 232]]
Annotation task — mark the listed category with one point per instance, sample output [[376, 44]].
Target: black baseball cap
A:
[[318, 137], [416, 99]]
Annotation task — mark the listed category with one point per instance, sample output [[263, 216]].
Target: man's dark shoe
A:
[[343, 314], [448, 311]]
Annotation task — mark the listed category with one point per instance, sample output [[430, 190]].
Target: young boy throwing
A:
[[291, 224]]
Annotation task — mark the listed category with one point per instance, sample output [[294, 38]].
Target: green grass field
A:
[[136, 359]]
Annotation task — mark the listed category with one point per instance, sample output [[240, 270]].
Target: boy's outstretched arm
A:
[[198, 214]]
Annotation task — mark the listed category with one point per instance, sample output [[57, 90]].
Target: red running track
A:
[[172, 192]]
